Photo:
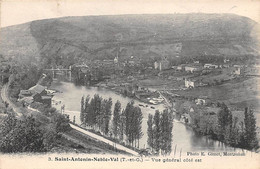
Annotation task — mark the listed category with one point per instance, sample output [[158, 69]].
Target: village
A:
[[152, 83], [180, 85]]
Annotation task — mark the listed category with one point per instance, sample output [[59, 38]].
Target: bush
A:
[[20, 135], [61, 122], [50, 139]]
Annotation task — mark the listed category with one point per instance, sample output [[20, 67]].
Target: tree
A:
[[137, 125], [166, 125], [150, 134], [8, 124], [24, 136], [235, 134], [90, 115], [224, 120], [122, 124], [250, 130], [50, 139], [33, 136], [105, 115], [94, 110], [157, 131], [160, 132], [82, 109], [61, 122], [133, 123], [227, 134], [116, 118], [85, 112], [129, 121], [74, 119]]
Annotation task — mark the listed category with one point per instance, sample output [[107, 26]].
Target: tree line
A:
[[236, 131], [236, 134], [126, 124], [30, 134], [160, 132]]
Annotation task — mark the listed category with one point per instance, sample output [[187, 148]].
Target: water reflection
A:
[[184, 139]]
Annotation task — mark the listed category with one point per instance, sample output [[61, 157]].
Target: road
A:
[[5, 98], [165, 99], [100, 138]]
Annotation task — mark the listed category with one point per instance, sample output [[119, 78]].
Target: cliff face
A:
[[144, 36]]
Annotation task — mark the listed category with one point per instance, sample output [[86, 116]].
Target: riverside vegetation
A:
[[96, 113]]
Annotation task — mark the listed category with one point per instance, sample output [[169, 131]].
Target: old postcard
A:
[[129, 84]]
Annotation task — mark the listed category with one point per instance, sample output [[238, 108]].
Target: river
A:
[[184, 139]]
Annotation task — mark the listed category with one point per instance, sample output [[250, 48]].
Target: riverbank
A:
[[184, 138], [133, 91]]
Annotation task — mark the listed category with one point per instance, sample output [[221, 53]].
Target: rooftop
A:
[[46, 97], [28, 100], [25, 92], [37, 88], [193, 65]]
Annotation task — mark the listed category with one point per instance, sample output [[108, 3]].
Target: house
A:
[[40, 94], [181, 67], [200, 101], [193, 67], [156, 65], [25, 93], [38, 89], [237, 70], [210, 66], [26, 101], [191, 83], [37, 93], [162, 65], [174, 67], [116, 60], [46, 100], [226, 60], [192, 110]]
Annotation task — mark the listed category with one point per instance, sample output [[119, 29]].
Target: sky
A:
[[15, 12]]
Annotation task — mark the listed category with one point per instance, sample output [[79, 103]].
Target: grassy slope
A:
[[239, 93], [17, 42], [74, 141]]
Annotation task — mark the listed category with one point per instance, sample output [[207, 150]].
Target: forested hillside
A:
[[143, 36]]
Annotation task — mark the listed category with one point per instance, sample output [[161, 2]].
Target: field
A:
[[239, 93]]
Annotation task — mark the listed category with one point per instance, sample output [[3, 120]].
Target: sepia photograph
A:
[[129, 84]]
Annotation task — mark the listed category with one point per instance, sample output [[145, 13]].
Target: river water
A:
[[184, 139]]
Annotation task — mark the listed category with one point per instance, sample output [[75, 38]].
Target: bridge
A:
[[61, 72]]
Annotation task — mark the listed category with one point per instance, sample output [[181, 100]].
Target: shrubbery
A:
[[28, 134]]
